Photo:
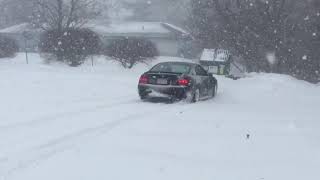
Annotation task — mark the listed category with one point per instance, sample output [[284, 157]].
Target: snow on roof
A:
[[118, 28], [207, 55], [19, 28], [129, 27], [176, 28], [218, 55]]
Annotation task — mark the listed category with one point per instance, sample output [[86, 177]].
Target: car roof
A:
[[180, 62]]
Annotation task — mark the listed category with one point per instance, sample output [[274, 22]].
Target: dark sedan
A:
[[178, 80]]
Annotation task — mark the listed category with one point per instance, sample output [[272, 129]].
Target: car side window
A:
[[200, 71]]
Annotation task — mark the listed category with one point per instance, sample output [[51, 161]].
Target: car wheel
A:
[[214, 90], [143, 96], [193, 96], [196, 96]]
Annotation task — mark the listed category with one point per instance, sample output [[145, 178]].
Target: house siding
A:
[[166, 46], [31, 45]]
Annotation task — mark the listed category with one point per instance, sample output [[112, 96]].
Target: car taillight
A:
[[143, 79], [183, 82]]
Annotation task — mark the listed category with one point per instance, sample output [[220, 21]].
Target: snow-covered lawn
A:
[[87, 123]]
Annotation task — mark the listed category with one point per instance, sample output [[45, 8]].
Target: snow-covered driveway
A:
[[84, 123]]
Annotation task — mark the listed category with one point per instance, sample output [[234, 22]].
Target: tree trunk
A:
[[60, 15]]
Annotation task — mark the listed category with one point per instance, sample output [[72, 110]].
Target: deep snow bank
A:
[[58, 122]]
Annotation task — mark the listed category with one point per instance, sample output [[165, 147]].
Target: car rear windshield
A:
[[172, 68]]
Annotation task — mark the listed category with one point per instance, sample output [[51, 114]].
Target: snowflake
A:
[[271, 57], [59, 43], [306, 18], [318, 14], [251, 4], [305, 57], [314, 34], [267, 2]]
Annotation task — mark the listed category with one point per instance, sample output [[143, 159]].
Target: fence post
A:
[[27, 36], [92, 60], [26, 50]]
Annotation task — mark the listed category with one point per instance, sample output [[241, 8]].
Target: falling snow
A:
[[305, 57], [88, 122], [271, 57]]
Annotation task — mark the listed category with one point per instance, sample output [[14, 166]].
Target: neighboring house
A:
[[169, 39], [25, 35]]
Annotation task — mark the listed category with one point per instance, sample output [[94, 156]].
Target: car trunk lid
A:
[[163, 78]]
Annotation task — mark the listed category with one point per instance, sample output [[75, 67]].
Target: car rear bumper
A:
[[151, 90]]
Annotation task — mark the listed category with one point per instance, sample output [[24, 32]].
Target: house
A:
[[25, 35], [169, 39]]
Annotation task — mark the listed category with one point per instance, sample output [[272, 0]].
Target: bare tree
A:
[[174, 11], [61, 17], [64, 14], [256, 29], [14, 12], [114, 9]]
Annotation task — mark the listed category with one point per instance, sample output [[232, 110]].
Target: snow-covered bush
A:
[[8, 47], [72, 46], [130, 51]]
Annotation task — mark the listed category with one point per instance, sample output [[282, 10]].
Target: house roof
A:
[[150, 29], [217, 55], [129, 27], [156, 29], [19, 28], [175, 28]]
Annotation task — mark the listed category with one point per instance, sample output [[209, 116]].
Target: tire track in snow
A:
[[42, 152], [53, 147], [20, 161], [56, 117]]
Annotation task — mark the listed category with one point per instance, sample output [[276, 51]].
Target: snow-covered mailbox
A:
[[216, 61]]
